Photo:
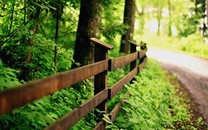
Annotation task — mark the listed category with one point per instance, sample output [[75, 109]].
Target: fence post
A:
[[143, 47], [100, 80], [133, 46]]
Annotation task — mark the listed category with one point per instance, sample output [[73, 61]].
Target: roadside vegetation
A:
[[194, 44], [154, 103]]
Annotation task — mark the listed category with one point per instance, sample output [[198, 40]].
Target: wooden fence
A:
[[37, 89]]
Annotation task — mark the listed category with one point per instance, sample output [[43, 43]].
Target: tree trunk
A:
[[196, 8], [207, 10], [57, 14], [204, 18], [56, 44], [12, 16], [32, 17], [170, 19], [129, 14], [142, 20], [159, 16], [88, 26]]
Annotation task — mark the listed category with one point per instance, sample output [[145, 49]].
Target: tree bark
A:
[[129, 14], [204, 18], [159, 16], [88, 26], [57, 14], [12, 16], [170, 19], [207, 10], [142, 20], [32, 17]]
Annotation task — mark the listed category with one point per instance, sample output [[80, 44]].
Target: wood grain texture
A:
[[19, 96], [122, 61]]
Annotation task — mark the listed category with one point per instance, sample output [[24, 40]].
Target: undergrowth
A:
[[153, 103], [41, 113]]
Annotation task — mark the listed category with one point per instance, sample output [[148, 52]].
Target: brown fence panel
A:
[[119, 85], [78, 113], [115, 111], [121, 61], [100, 126], [40, 88], [43, 87]]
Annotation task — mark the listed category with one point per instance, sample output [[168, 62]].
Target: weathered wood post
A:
[[133, 46], [100, 80], [143, 47], [142, 56]]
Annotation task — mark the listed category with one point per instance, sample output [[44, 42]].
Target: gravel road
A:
[[191, 71]]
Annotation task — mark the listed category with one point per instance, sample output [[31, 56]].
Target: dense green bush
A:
[[8, 77]]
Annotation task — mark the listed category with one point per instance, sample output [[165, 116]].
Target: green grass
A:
[[194, 44], [153, 103]]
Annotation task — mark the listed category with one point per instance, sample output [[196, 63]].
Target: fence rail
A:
[[43, 87]]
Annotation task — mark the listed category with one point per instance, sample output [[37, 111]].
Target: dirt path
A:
[[192, 73]]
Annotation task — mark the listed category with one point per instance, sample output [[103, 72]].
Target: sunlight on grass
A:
[[194, 44]]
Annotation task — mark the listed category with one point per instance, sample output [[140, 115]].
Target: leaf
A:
[[107, 119], [1, 63]]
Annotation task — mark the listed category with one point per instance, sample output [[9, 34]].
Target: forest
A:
[[40, 38]]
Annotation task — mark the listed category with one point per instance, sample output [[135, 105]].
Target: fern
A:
[[8, 77]]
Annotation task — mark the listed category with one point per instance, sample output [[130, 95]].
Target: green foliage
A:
[[188, 26], [152, 103], [8, 77], [42, 59], [110, 32], [181, 18], [47, 110], [112, 23], [194, 44], [18, 30], [116, 75]]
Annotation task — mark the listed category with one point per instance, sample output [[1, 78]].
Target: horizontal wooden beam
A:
[[132, 42], [121, 61], [100, 126], [19, 96], [105, 45], [114, 113], [119, 85], [75, 115]]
